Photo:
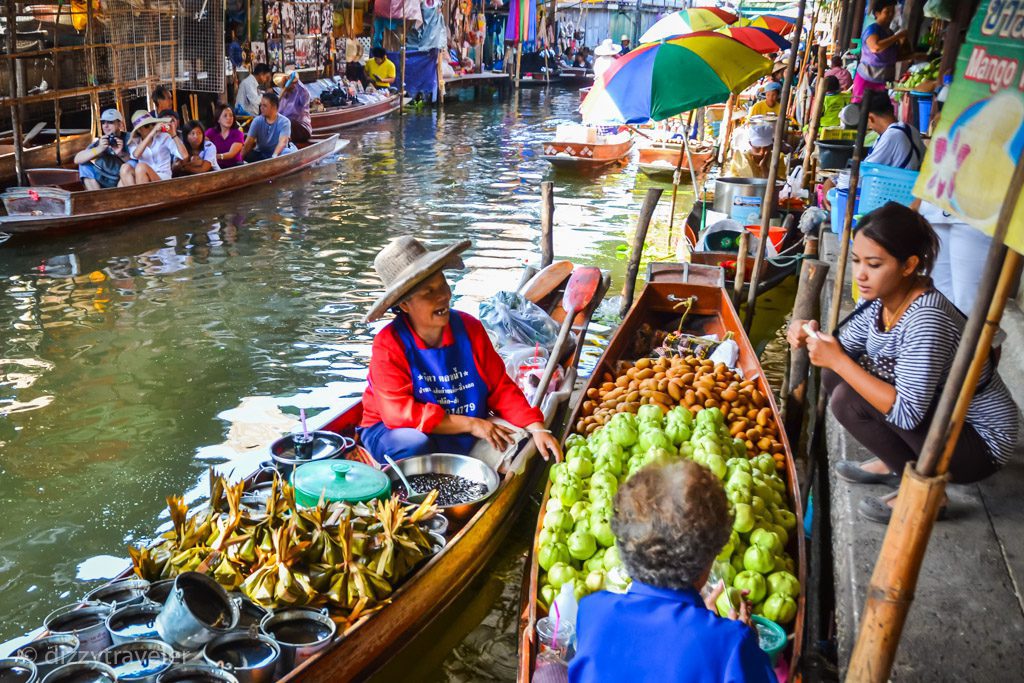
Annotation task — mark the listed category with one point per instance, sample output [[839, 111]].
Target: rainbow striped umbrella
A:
[[756, 38], [773, 22], [659, 80], [688, 21]]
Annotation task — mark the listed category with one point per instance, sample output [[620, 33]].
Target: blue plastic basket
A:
[[881, 184]]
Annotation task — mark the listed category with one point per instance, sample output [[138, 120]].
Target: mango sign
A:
[[980, 135]]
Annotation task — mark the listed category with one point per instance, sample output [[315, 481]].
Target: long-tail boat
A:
[[42, 151], [657, 306], [336, 118], [38, 210], [659, 159], [588, 156], [773, 275]]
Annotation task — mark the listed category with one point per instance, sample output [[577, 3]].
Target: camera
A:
[[112, 140]]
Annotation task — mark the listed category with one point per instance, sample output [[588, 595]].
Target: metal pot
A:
[[249, 613], [82, 672], [300, 633], [159, 590], [197, 611], [252, 658], [85, 620], [834, 154], [50, 652], [120, 593], [448, 463], [195, 673], [139, 661], [741, 198], [292, 450], [18, 670], [134, 622]]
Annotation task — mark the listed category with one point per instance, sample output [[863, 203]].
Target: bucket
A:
[[300, 633], [85, 620], [252, 658], [120, 593], [75, 672], [837, 215], [776, 234], [770, 637], [50, 652], [139, 661], [923, 105], [835, 154], [197, 611], [195, 673], [18, 670], [134, 622]]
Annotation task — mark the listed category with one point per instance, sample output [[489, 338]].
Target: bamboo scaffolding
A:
[[15, 103], [768, 204]]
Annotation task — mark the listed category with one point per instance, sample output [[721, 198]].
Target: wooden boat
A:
[[774, 272], [584, 92], [337, 118], [586, 156], [538, 80], [37, 210], [659, 160], [713, 313], [577, 76], [42, 152]]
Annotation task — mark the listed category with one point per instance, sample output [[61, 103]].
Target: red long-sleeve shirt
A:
[[389, 398]]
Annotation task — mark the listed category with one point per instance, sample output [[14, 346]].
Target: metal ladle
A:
[[411, 495]]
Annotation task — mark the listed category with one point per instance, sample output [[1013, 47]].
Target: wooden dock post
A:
[[643, 222], [547, 223]]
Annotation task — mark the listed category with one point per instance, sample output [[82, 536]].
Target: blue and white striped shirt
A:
[[915, 356]]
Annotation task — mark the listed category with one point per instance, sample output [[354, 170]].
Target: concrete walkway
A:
[[967, 619]]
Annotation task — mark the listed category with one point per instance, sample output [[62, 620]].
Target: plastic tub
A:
[[837, 198], [770, 636], [835, 154]]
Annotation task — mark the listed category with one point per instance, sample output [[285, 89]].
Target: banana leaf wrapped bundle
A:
[[399, 545], [354, 585], [279, 581], [150, 564]]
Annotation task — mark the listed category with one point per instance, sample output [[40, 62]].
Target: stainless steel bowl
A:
[[450, 463]]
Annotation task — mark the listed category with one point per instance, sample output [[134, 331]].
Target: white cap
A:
[[761, 135], [111, 115], [624, 37]]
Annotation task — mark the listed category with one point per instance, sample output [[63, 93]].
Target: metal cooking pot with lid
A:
[[741, 198], [292, 450], [197, 611], [339, 481]]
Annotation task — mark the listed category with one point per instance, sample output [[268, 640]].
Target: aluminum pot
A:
[[197, 611], [82, 672], [85, 620], [196, 673], [300, 633], [134, 622], [50, 652], [292, 450], [449, 463], [120, 593], [251, 657], [18, 670], [139, 661], [159, 590], [741, 198], [249, 613]]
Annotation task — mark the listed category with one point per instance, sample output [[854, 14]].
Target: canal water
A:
[[135, 358]]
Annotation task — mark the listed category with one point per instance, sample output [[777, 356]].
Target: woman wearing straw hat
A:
[[434, 375], [605, 54]]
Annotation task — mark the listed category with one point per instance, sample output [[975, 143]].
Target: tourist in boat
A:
[[434, 374], [888, 362], [294, 106], [879, 50], [269, 133], [163, 99], [670, 522], [226, 138], [202, 154], [605, 55], [155, 145], [770, 105], [624, 43], [379, 69], [752, 153], [106, 162], [250, 90]]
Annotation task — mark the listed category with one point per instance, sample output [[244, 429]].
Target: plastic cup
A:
[[566, 641]]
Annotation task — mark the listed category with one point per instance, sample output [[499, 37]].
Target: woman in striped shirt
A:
[[887, 365]]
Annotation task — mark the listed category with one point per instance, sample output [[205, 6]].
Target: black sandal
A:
[[851, 471], [876, 509]]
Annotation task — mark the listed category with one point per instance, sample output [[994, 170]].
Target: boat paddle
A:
[[545, 281], [579, 292]]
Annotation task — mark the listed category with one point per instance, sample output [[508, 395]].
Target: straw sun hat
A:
[[607, 48], [405, 264]]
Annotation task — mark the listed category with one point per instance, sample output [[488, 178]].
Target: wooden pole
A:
[[741, 267], [547, 223], [803, 63], [922, 489], [56, 86], [643, 222], [814, 120], [725, 129], [684, 151], [405, 35], [807, 306], [12, 67], [768, 204], [519, 62]]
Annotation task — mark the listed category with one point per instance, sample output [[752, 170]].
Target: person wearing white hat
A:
[[155, 145], [605, 54], [753, 159], [434, 374], [105, 162], [624, 43]]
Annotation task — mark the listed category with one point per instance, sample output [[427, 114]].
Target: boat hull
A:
[[577, 155], [342, 117], [772, 276], [91, 209], [660, 160], [41, 156]]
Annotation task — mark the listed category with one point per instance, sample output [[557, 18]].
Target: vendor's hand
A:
[[499, 436], [744, 612], [547, 445], [796, 335], [824, 351]]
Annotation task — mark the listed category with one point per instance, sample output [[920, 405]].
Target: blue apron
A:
[[447, 376]]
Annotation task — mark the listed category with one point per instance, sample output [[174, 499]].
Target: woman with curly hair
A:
[[670, 521]]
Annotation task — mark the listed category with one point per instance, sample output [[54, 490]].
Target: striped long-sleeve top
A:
[[915, 356]]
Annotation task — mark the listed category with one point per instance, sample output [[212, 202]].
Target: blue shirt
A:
[[267, 134], [661, 635]]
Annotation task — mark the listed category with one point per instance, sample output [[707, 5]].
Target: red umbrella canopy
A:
[[756, 38]]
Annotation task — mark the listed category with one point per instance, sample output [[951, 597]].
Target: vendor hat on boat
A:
[[435, 378]]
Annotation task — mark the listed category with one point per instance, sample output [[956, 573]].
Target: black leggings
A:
[[896, 447]]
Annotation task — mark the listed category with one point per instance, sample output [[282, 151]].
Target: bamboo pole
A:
[[922, 489], [12, 48], [684, 151], [768, 204], [94, 97], [814, 120], [741, 267], [56, 86], [643, 222], [547, 223], [803, 63], [725, 129], [405, 35]]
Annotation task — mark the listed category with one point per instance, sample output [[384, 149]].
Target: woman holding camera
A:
[[155, 145]]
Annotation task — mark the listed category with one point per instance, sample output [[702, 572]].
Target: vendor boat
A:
[[659, 159], [336, 118], [587, 148], [577, 76], [657, 308], [775, 271], [50, 206], [538, 79], [42, 151]]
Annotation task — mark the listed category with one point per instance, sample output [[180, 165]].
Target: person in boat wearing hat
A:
[[106, 161], [294, 106], [605, 55], [624, 44], [155, 146], [434, 375], [753, 159]]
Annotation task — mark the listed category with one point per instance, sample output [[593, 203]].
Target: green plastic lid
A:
[[342, 480]]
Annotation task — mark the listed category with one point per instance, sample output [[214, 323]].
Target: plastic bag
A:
[[516, 320]]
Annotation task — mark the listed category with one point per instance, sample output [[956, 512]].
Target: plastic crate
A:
[[881, 184], [836, 133]]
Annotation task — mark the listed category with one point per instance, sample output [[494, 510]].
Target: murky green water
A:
[[134, 358]]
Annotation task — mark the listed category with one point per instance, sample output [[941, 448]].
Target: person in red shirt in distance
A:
[[434, 376]]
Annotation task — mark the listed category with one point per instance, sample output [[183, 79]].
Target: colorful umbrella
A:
[[659, 80], [756, 38], [773, 22], [688, 21]]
